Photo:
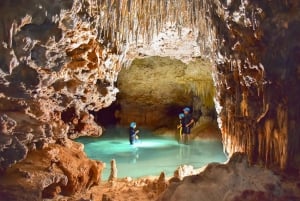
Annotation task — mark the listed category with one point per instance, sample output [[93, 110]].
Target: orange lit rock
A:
[[51, 61], [58, 169], [228, 182]]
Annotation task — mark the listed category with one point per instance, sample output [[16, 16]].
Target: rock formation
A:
[[257, 78], [113, 171], [54, 70], [228, 182], [60, 59], [45, 173], [154, 101]]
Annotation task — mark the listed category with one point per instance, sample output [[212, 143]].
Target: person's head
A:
[[181, 115], [186, 110], [132, 125]]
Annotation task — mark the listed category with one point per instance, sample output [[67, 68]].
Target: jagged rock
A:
[[50, 62], [106, 197], [175, 178], [185, 170], [70, 172], [257, 78], [82, 125], [156, 186], [6, 124], [225, 182]]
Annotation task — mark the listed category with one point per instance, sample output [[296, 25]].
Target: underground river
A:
[[151, 155]]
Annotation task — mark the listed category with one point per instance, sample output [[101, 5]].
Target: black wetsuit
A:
[[131, 135], [186, 120]]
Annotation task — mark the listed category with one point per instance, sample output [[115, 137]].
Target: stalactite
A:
[[131, 20], [257, 85]]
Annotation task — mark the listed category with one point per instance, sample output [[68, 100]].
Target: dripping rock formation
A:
[[257, 78]]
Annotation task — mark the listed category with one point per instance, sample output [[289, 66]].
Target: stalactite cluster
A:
[[256, 79], [121, 23]]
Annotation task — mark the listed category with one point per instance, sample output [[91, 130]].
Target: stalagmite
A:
[[161, 183], [113, 171]]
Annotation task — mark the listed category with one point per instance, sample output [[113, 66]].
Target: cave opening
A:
[[153, 92], [107, 117]]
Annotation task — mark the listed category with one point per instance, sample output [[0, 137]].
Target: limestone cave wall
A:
[[257, 78], [154, 90], [53, 70]]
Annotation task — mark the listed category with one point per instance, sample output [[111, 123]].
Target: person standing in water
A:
[[187, 122], [133, 133], [179, 126]]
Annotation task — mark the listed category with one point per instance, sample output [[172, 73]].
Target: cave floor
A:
[[121, 190]]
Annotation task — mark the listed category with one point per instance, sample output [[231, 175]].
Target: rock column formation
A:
[[257, 77]]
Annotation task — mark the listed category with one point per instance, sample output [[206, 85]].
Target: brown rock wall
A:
[[257, 79], [51, 61], [58, 169], [154, 90]]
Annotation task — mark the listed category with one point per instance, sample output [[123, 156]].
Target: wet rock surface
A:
[[58, 169]]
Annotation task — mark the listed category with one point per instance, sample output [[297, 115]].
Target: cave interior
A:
[[69, 68]]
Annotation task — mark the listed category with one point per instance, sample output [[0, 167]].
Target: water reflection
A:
[[151, 155]]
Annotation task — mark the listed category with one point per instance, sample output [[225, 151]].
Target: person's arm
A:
[[192, 121]]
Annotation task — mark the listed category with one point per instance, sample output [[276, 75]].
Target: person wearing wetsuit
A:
[[187, 122], [132, 133]]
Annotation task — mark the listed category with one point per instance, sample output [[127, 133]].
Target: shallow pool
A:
[[151, 155]]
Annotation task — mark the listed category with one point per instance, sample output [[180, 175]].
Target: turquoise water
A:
[[151, 155]]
